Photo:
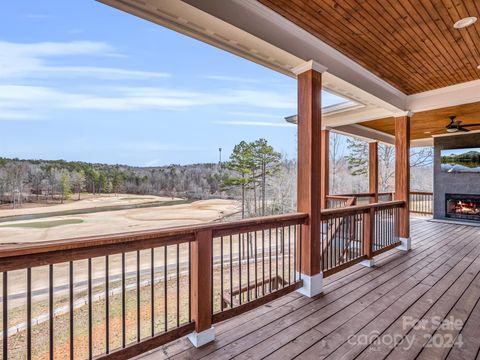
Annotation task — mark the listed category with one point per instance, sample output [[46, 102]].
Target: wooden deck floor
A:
[[391, 311]]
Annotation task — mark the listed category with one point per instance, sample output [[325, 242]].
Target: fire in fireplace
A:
[[462, 206]]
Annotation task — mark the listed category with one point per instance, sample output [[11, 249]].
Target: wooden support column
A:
[[373, 170], [402, 171], [309, 178], [325, 168], [201, 291]]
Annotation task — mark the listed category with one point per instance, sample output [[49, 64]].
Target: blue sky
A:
[[82, 81]]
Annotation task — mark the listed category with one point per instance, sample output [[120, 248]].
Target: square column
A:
[[373, 170], [309, 178], [402, 175]]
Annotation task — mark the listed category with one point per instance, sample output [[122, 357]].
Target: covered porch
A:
[[338, 278]]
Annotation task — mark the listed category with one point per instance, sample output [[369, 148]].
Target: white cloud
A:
[[230, 78], [26, 61], [37, 16], [31, 102], [22, 63], [254, 123]]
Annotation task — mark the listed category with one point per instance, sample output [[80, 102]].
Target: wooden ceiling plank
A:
[[352, 52], [381, 26], [451, 33], [411, 44], [452, 67], [470, 34], [376, 17], [405, 78], [430, 30]]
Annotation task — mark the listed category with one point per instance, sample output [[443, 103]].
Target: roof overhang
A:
[[255, 32]]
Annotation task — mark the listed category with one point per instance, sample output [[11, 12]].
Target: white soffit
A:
[[465, 93]]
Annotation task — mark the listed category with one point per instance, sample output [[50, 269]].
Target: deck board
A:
[[438, 279]]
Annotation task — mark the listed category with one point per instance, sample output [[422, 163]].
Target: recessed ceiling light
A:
[[428, 132], [478, 67], [463, 23]]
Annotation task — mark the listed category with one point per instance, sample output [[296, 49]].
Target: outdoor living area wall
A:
[[452, 183]]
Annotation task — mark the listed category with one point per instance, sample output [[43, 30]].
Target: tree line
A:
[[262, 179]]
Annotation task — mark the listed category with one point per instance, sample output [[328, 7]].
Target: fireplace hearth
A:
[[462, 206]]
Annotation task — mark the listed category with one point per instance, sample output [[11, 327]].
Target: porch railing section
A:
[[339, 201], [350, 235], [254, 265], [115, 297], [421, 202]]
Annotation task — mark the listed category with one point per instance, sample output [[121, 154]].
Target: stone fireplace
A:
[[456, 196]]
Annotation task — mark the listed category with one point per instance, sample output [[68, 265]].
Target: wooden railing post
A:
[[373, 171], [368, 236], [201, 292]]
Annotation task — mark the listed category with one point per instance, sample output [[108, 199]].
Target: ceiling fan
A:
[[456, 125]]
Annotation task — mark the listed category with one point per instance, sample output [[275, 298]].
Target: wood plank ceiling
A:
[[409, 43], [427, 123]]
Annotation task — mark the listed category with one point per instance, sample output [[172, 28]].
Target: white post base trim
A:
[[368, 263], [312, 285], [406, 244], [202, 338]]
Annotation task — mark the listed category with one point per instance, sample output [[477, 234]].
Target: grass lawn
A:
[[44, 224]]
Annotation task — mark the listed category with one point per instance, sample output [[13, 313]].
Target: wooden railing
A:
[[352, 234], [421, 202], [360, 198], [118, 296], [339, 201], [115, 297]]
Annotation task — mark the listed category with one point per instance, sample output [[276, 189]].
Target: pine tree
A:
[[269, 162], [66, 190], [241, 163]]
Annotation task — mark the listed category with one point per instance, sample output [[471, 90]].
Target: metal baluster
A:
[[124, 338], [221, 273], [71, 314], [90, 322], [152, 291], [248, 267], [270, 260], [263, 262], [289, 256], [256, 270], [295, 229], [139, 336], [50, 309], [29, 314], [165, 287], [300, 252], [178, 285], [189, 282], [276, 257], [240, 244], [5, 315], [283, 256], [107, 305], [231, 272]]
